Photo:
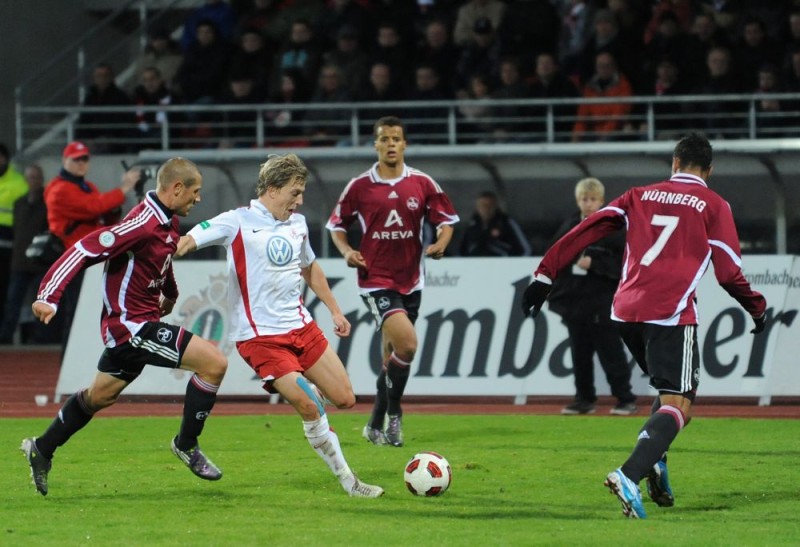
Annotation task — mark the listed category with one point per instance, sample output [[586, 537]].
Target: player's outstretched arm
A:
[[444, 234], [760, 323], [317, 282], [43, 311], [165, 305], [353, 258], [186, 245], [535, 295]]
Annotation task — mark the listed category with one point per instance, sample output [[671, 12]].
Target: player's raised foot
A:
[[394, 431], [40, 466], [658, 485], [578, 407], [375, 436], [628, 494], [197, 462], [363, 490]]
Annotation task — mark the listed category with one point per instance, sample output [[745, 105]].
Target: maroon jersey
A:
[[675, 228], [391, 214], [138, 268]]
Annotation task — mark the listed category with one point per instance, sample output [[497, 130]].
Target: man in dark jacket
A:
[[491, 232], [30, 219], [582, 296], [108, 131], [551, 83]]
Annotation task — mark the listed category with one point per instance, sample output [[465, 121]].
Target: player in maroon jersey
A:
[[675, 228], [138, 289], [391, 201]]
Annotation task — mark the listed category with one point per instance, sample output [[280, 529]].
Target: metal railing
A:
[[115, 39], [500, 122]]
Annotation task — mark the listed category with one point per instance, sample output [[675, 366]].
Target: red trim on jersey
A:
[[240, 262], [305, 319], [179, 342]]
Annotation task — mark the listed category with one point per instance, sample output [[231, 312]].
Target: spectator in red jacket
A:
[[75, 208], [602, 122]]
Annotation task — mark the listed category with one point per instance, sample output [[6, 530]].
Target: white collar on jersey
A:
[[261, 208], [152, 201], [688, 179], [373, 174]]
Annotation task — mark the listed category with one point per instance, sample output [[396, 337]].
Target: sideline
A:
[[26, 372]]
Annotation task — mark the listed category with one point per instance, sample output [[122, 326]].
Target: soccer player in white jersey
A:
[[138, 290], [269, 256], [675, 228], [391, 202]]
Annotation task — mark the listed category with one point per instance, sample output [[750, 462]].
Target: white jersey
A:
[[264, 261]]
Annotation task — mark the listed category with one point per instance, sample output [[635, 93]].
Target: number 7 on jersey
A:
[[669, 223]]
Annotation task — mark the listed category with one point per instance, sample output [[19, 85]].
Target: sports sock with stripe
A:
[[397, 372], [200, 399], [654, 440], [72, 417]]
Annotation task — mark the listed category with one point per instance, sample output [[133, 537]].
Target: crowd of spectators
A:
[[288, 52]]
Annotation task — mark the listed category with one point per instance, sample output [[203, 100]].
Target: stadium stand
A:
[[758, 123]]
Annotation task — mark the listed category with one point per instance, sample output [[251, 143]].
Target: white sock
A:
[[326, 443]]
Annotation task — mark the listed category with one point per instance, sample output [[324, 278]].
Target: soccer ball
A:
[[428, 474]]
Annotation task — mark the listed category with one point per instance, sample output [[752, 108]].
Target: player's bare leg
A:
[[401, 338], [329, 374], [298, 392]]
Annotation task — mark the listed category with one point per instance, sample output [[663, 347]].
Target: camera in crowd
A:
[[138, 189], [146, 174]]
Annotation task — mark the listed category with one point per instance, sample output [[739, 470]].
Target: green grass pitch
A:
[[517, 480]]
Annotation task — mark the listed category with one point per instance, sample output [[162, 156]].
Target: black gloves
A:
[[534, 297], [760, 323]]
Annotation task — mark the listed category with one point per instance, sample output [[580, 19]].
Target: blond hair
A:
[[590, 185], [280, 170]]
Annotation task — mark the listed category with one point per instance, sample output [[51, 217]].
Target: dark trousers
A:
[[590, 336], [68, 306], [5, 277], [22, 292], [18, 290]]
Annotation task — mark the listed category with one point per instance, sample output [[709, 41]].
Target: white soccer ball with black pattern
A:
[[428, 474]]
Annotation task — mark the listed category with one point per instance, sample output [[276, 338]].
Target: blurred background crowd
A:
[[293, 52]]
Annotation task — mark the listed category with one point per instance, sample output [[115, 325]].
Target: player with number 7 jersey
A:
[[675, 228]]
